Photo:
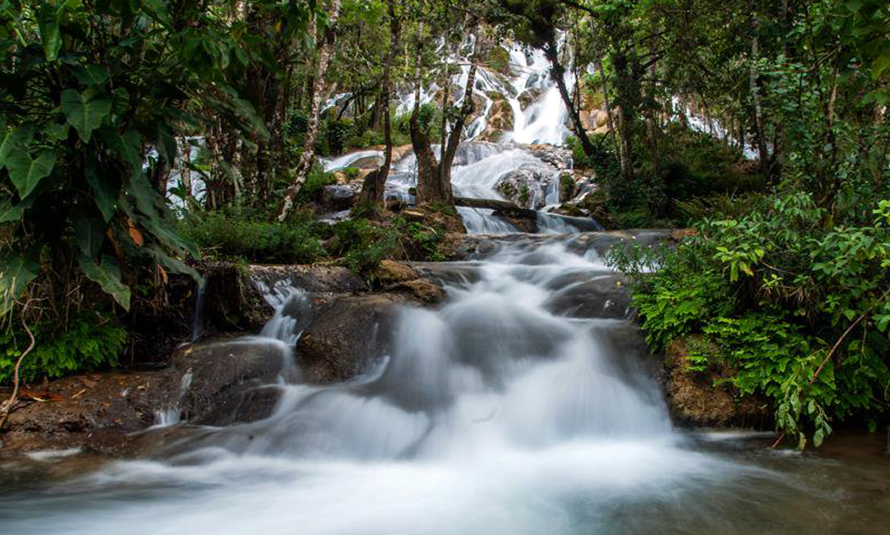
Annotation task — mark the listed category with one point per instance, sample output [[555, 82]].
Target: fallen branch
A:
[[495, 204]]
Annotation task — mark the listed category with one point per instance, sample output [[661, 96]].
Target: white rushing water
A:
[[494, 414]]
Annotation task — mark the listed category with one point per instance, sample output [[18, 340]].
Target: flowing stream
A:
[[503, 411]]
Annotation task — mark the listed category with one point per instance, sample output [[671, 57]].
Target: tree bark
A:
[[308, 156], [759, 130], [433, 176], [557, 72], [374, 186]]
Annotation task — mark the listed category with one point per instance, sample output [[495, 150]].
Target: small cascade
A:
[[292, 311], [346, 160], [172, 415], [198, 318]]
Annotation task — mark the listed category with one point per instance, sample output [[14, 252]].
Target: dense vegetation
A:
[[139, 138]]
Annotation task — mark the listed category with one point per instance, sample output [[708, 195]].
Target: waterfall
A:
[[503, 411]]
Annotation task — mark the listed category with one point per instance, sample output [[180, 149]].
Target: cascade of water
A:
[[495, 413], [198, 319]]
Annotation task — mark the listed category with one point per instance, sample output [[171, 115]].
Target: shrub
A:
[[799, 308], [315, 181], [364, 244], [234, 235], [89, 342]]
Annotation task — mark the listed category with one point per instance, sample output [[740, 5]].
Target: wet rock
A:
[[578, 295], [366, 163], [315, 278], [346, 336], [451, 273], [424, 291], [335, 198], [528, 185], [479, 246], [558, 157], [521, 223], [226, 381], [398, 277], [530, 95], [92, 413], [500, 120], [233, 296], [392, 272], [705, 398]]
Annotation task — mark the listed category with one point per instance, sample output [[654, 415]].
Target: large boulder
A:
[[528, 185], [580, 295], [224, 382], [500, 119], [347, 335], [337, 197]]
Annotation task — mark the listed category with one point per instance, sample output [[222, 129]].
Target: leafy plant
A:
[[231, 234], [364, 244], [800, 312], [89, 342]]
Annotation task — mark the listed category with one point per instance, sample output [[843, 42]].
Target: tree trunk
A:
[[607, 105], [758, 112], [557, 72], [374, 187], [308, 156], [433, 177]]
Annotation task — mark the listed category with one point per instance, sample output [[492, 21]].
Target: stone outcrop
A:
[[705, 398], [346, 335], [88, 412]]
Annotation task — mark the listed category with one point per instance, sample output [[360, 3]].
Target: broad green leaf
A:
[[90, 232], [91, 75], [128, 147], [172, 263], [26, 172], [16, 141], [105, 193], [48, 23], [8, 212], [83, 113], [17, 271], [107, 274]]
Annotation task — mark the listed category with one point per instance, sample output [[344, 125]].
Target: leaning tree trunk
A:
[[308, 155], [433, 177], [557, 72], [449, 151], [374, 185]]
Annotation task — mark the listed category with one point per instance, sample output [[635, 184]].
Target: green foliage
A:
[[364, 244], [499, 59], [679, 299], [89, 342], [317, 179], [351, 173], [232, 234], [524, 194], [423, 241], [335, 134], [801, 311]]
